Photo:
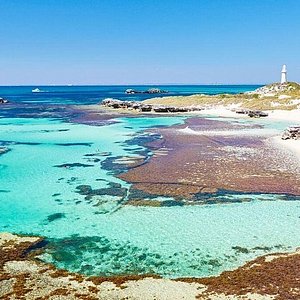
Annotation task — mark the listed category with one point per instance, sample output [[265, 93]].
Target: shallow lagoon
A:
[[38, 196]]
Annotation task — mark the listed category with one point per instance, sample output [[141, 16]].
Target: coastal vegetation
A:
[[270, 97]]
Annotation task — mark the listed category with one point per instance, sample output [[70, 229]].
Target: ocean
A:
[[94, 94], [50, 161]]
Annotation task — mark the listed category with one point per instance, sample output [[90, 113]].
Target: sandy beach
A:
[[292, 146]]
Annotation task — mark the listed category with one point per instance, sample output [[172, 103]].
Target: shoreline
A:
[[214, 110], [23, 275], [292, 146]]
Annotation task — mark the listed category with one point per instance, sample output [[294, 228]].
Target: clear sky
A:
[[148, 41]]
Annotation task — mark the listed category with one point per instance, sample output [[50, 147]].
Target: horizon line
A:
[[129, 84]]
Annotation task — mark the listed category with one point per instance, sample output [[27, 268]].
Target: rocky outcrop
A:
[[252, 113], [3, 101], [142, 107], [275, 89], [292, 132]]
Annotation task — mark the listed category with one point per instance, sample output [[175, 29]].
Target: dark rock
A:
[[146, 108], [155, 91], [132, 91], [150, 91], [160, 109], [84, 189], [182, 109], [55, 217], [242, 111], [257, 114], [71, 144], [3, 101], [136, 105], [72, 165], [4, 150], [292, 132], [113, 103], [251, 113], [239, 249], [114, 189]]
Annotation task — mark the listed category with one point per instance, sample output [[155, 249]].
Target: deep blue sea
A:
[[94, 94]]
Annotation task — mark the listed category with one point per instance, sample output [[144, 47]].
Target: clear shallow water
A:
[[50, 158]]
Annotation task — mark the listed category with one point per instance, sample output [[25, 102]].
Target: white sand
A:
[[149, 289], [287, 115], [243, 132], [291, 145], [219, 111], [226, 111]]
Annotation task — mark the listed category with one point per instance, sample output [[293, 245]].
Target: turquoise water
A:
[[93, 94], [49, 159]]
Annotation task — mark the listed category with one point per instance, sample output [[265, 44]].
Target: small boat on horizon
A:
[[36, 90]]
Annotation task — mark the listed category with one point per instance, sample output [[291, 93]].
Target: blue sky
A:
[[148, 41]]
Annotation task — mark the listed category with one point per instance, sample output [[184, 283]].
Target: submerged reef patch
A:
[[98, 154], [120, 164], [74, 144], [141, 197], [6, 143], [103, 257], [113, 189], [55, 216], [210, 162], [73, 165], [54, 130], [4, 150]]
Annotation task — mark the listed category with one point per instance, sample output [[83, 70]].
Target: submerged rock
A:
[[55, 217], [114, 189], [4, 150], [73, 165]]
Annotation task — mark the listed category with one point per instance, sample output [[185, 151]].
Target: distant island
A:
[[149, 91]]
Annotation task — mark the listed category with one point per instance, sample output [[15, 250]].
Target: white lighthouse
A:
[[283, 74]]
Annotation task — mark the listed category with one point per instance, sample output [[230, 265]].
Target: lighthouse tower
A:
[[283, 74]]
